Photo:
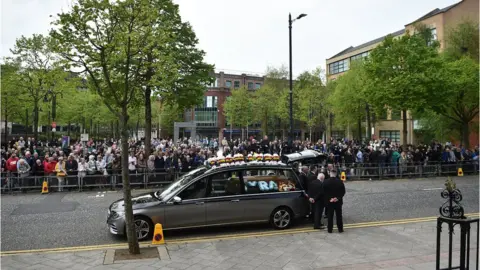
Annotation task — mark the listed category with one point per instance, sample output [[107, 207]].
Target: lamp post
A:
[[290, 21]]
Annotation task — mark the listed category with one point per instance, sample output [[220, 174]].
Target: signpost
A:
[[54, 127], [84, 137]]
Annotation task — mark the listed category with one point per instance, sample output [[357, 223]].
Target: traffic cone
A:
[[343, 176], [158, 235], [45, 187], [460, 172]]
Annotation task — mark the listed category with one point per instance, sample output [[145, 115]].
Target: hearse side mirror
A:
[[177, 200]]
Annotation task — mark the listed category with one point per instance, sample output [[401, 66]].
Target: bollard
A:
[[343, 177], [460, 172], [158, 238], [45, 187]]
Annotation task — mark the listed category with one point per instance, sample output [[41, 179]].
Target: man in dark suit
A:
[[304, 182], [334, 190], [311, 176], [316, 198]]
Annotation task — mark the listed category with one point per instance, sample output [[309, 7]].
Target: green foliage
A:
[[238, 108], [463, 40], [168, 116], [311, 94], [350, 95]]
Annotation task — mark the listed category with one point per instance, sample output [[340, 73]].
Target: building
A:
[[438, 20], [209, 118]]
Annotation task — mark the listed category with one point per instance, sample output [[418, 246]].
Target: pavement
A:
[[368, 246], [35, 221]]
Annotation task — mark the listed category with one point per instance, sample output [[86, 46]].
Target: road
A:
[[35, 221]]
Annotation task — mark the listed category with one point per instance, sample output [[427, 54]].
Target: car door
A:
[[225, 204], [190, 211]]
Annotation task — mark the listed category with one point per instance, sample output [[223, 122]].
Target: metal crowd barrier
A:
[[11, 182]]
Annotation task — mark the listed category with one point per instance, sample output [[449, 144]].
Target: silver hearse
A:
[[236, 194]]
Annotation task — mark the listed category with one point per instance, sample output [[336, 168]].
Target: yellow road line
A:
[[225, 237]]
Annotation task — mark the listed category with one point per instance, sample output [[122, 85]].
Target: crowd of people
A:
[[22, 158]]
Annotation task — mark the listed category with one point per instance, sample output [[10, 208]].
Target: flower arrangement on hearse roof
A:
[[238, 159]]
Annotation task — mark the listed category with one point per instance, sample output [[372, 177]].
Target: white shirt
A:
[[131, 160]]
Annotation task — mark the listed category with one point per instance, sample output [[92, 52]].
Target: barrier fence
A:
[[11, 182]]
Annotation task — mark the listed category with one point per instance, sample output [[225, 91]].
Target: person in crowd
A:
[[23, 170], [334, 191], [132, 163], [61, 170], [82, 172], [72, 169], [316, 198]]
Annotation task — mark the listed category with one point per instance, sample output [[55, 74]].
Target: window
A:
[[394, 135], [258, 85], [214, 83], [339, 66], [383, 115], [236, 84], [434, 33], [228, 84], [395, 115], [261, 181], [359, 56], [225, 184], [196, 190], [250, 85], [210, 102]]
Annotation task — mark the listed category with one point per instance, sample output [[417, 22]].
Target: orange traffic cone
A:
[[45, 187], [343, 176], [460, 172], [158, 235]]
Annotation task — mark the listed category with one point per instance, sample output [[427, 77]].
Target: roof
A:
[[302, 155], [377, 40], [435, 12]]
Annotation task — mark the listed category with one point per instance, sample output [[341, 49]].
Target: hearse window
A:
[[225, 184], [263, 181], [196, 190]]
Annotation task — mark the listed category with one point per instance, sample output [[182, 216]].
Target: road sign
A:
[[54, 129], [54, 125], [84, 137]]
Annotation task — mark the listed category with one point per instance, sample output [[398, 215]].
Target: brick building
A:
[[209, 116], [439, 21]]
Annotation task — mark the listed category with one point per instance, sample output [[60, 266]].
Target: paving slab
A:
[[395, 247]]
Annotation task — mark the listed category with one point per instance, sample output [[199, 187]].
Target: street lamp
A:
[[290, 21]]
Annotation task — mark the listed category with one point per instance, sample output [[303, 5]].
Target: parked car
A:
[[237, 194]]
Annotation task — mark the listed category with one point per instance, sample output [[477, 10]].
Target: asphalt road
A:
[[35, 221]]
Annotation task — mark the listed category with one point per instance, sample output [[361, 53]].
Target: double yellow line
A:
[[225, 236]]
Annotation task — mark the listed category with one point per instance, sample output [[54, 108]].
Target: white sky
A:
[[249, 35]]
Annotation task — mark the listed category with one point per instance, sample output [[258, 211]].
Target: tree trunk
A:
[[68, 131], [136, 134], [359, 123], [6, 124], [231, 128], [35, 120], [148, 120], [404, 131], [133, 246], [369, 123], [465, 135], [310, 136]]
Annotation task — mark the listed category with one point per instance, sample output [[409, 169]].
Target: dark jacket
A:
[[72, 167], [315, 190], [333, 188], [304, 181]]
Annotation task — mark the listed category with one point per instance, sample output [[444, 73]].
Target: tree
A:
[[276, 81], [463, 40], [264, 104], [39, 76], [238, 107], [311, 93], [173, 67], [461, 84], [13, 101], [169, 115], [106, 40], [404, 75]]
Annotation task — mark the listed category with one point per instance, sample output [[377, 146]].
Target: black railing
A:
[[452, 213]]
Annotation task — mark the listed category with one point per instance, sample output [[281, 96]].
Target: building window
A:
[[434, 33], [214, 83], [339, 66], [228, 84], [250, 85], [359, 56], [258, 85], [206, 117], [395, 115], [209, 102], [338, 134], [236, 84], [393, 135]]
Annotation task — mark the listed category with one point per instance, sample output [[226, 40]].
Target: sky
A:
[[250, 35]]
